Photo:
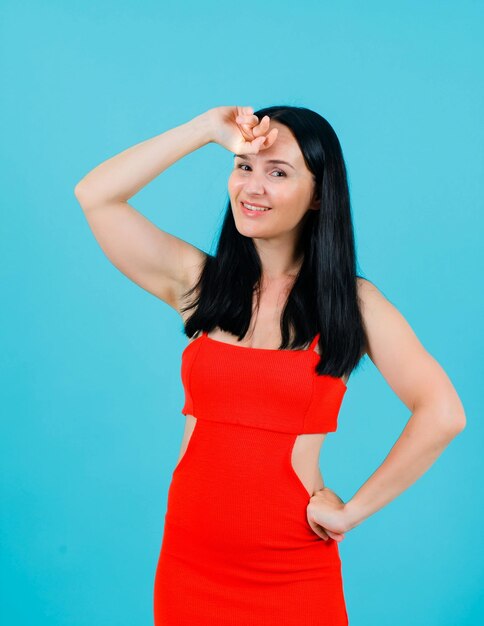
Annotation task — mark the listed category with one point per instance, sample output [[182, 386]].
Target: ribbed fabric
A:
[[237, 548]]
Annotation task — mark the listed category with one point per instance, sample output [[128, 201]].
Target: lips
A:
[[261, 206]]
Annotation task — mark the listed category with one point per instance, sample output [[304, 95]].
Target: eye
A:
[[278, 171]]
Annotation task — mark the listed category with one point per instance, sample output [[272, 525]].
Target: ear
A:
[[316, 201], [315, 204]]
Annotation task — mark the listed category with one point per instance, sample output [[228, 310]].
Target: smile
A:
[[251, 208]]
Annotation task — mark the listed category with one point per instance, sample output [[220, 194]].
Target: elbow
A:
[[84, 197], [459, 419], [78, 192], [460, 422], [455, 419], [445, 418], [447, 413], [80, 189]]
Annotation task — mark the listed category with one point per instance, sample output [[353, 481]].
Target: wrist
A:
[[202, 127], [352, 515]]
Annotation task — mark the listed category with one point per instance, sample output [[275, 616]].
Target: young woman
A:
[[279, 319]]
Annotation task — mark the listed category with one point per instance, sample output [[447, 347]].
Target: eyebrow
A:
[[248, 156]]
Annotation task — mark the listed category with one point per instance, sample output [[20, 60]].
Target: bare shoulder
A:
[[366, 289], [385, 327], [373, 302]]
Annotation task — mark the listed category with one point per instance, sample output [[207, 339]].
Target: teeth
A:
[[255, 208]]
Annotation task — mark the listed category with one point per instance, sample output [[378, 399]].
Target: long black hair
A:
[[324, 296]]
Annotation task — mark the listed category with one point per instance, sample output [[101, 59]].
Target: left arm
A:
[[423, 386]]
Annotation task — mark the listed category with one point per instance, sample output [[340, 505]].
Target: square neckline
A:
[[310, 350], [234, 345]]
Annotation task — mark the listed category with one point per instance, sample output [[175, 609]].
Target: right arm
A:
[[159, 262]]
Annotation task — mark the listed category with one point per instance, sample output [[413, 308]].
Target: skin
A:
[[289, 191]]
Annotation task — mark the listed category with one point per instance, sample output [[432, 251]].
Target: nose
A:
[[254, 186]]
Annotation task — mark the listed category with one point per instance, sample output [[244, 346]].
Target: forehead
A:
[[284, 147]]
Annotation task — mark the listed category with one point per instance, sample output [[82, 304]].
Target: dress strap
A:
[[314, 342]]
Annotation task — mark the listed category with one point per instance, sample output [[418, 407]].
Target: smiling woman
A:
[[256, 182], [252, 206], [278, 319]]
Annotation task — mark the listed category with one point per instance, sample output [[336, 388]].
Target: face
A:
[[286, 188]]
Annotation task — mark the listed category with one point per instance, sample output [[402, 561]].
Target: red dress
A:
[[237, 548]]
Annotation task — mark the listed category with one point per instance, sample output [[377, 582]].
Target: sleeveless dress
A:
[[237, 549]]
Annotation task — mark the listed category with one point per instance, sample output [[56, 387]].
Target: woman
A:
[[279, 321]]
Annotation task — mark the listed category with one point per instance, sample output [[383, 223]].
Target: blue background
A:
[[90, 363]]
